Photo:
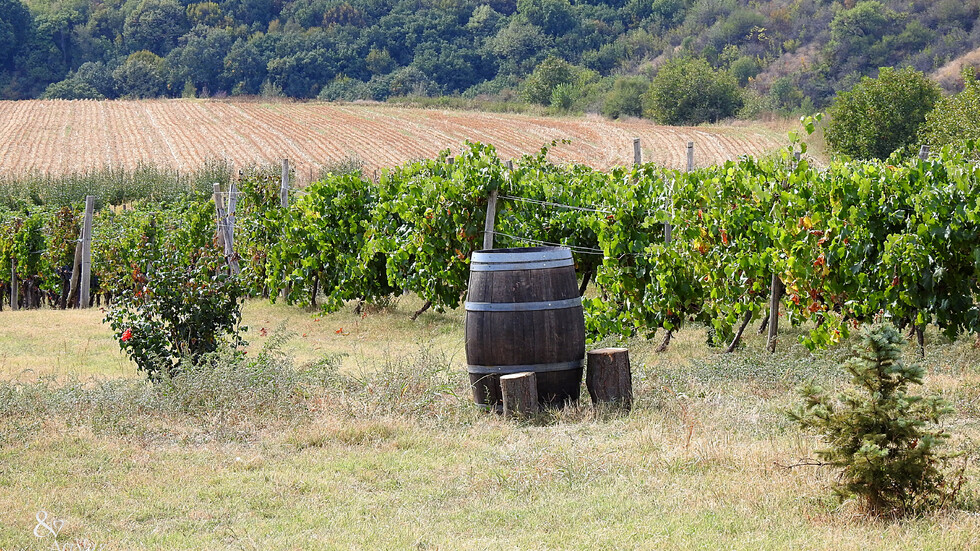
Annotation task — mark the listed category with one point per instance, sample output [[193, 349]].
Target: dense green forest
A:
[[585, 55]]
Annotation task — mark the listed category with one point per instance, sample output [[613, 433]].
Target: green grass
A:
[[367, 439]]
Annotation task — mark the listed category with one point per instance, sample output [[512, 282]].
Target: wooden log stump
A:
[[608, 377], [520, 394]]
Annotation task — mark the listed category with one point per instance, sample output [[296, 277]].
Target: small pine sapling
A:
[[885, 441]]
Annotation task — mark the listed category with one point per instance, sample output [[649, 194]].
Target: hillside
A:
[[785, 54], [64, 136]]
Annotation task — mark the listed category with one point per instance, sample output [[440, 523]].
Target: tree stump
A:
[[520, 394], [608, 376]]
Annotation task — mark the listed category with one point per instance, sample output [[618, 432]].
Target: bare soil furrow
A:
[[65, 136]]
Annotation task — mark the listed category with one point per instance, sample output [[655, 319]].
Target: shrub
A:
[[745, 69], [881, 115], [955, 118], [562, 97], [550, 73], [625, 98], [884, 439], [183, 309], [690, 91], [71, 88]]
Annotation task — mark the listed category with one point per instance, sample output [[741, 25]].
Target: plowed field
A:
[[66, 136]]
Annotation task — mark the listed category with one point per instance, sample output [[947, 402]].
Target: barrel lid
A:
[[520, 255]]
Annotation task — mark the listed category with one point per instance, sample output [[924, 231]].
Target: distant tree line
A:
[[746, 56]]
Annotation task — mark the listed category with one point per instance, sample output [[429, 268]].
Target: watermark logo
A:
[[46, 529], [43, 528]]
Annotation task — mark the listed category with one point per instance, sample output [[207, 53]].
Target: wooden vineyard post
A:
[[776, 294], [13, 284], [491, 220], [284, 202], [777, 289], [230, 229], [85, 285], [920, 329], [226, 229], [218, 216], [520, 394], [284, 186], [637, 152], [76, 272], [608, 377]]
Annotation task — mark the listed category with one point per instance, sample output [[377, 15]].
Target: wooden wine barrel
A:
[[524, 313]]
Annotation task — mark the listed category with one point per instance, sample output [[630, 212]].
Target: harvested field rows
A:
[[66, 136]]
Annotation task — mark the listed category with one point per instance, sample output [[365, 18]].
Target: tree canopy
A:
[[881, 115], [690, 91]]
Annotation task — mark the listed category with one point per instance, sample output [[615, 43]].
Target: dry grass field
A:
[[69, 136], [366, 438]]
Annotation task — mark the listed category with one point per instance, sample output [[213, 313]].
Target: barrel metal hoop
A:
[[522, 306], [508, 256], [476, 266], [536, 368]]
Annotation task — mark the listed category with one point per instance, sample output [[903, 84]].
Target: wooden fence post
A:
[[284, 186], [637, 152], [218, 216], [85, 285], [226, 226], [491, 220], [775, 295], [520, 394], [230, 230], [14, 299]]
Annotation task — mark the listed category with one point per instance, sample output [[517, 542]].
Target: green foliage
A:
[[955, 119], [323, 245], [554, 17], [260, 209], [142, 75], [881, 115], [537, 179], [428, 219], [520, 46], [562, 97], [689, 91], [745, 69], [15, 23], [183, 308], [626, 98], [849, 241], [885, 440], [550, 73], [155, 25], [112, 186], [71, 88], [785, 95]]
